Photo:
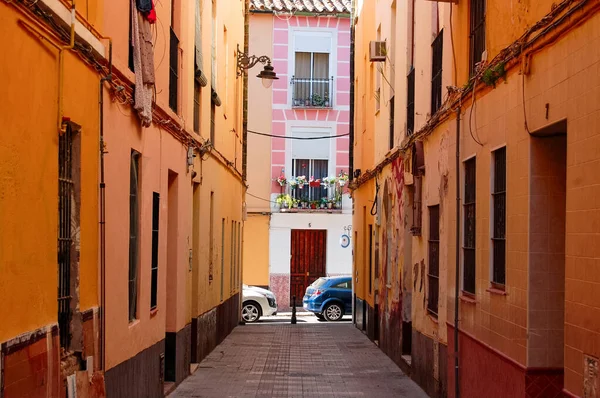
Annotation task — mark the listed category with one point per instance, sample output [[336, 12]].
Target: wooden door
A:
[[309, 251]]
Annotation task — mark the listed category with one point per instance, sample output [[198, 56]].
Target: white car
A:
[[257, 302]]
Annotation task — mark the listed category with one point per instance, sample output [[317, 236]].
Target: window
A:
[[316, 168], [222, 256], [213, 110], [370, 258], [173, 70], [378, 72], [392, 108], [232, 256], [344, 285], [154, 265], [410, 103], [311, 80], [476, 34], [66, 192], [211, 234], [134, 174], [469, 228], [436, 72], [433, 275], [499, 217], [196, 106], [130, 55]]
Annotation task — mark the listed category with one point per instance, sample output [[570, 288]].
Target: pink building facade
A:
[[310, 102]]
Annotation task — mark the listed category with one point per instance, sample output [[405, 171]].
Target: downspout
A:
[[61, 63], [457, 269], [245, 95], [351, 124], [102, 204]]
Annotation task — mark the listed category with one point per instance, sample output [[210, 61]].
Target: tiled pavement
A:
[[303, 360]]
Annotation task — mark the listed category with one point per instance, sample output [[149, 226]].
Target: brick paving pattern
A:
[[311, 360]]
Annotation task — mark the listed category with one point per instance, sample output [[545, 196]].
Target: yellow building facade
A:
[[515, 85]]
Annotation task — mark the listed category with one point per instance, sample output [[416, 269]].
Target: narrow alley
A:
[[303, 360]]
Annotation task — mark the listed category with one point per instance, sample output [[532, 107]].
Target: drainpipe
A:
[[245, 95], [351, 124], [102, 203], [61, 65], [457, 269]]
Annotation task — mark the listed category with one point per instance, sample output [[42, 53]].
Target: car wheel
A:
[[333, 312], [320, 317], [250, 312]]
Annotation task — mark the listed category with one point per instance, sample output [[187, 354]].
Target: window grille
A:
[[410, 107], [155, 235], [65, 199], [310, 167], [499, 226], [213, 110], [391, 143], [312, 85], [477, 33], [196, 107], [469, 227], [133, 233], [173, 70], [436, 72], [433, 274]]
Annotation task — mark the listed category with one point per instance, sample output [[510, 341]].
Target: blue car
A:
[[329, 298]]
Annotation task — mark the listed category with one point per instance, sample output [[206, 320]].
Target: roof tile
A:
[[316, 6]]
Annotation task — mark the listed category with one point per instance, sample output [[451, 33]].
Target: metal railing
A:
[[312, 92]]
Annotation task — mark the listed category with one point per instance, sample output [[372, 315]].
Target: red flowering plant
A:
[[314, 182], [281, 180]]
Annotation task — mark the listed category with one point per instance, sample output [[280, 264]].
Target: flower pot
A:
[[314, 184], [342, 183], [313, 206], [322, 205], [329, 205]]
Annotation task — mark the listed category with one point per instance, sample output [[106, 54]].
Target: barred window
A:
[[476, 34], [469, 227], [499, 220], [410, 101], [154, 264], [134, 177], [173, 70], [433, 274], [436, 72]]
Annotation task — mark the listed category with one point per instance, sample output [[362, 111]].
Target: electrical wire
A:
[[298, 138], [473, 105], [374, 207], [258, 197]]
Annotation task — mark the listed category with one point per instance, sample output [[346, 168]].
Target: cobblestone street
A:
[[310, 360]]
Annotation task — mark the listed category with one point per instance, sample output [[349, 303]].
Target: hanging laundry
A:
[[152, 14], [143, 66], [144, 6]]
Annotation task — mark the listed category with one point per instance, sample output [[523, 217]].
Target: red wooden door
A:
[[309, 250]]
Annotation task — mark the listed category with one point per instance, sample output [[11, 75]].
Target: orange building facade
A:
[[516, 87], [122, 189]]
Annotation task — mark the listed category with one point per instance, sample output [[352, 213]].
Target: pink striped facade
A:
[[283, 112]]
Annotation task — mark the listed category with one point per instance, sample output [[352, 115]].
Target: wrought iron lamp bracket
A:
[[245, 61]]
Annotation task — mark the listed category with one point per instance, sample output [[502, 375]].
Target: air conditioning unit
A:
[[377, 51]]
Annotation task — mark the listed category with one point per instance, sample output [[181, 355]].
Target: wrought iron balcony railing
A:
[[311, 92]]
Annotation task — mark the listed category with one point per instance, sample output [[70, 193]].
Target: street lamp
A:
[[245, 61]]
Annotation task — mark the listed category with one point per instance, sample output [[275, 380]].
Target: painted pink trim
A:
[[278, 128], [341, 158], [343, 54], [322, 115], [278, 157], [313, 22], [343, 144], [343, 98], [332, 116], [277, 144], [293, 21], [290, 114], [277, 114], [342, 128], [344, 24], [280, 66], [280, 23], [343, 39], [280, 97], [279, 37], [280, 51], [342, 84], [311, 114], [344, 117], [343, 69], [282, 83]]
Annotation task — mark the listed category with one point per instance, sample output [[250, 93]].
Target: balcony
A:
[[298, 196], [310, 92]]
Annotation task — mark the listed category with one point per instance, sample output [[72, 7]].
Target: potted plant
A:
[[301, 181], [281, 180], [295, 203], [323, 203], [307, 102], [317, 100], [313, 204], [314, 182], [329, 181], [293, 183], [330, 204], [326, 100], [343, 179], [280, 200]]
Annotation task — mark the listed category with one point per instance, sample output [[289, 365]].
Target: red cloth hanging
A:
[[152, 14]]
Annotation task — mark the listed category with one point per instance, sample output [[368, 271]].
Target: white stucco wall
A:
[[339, 259]]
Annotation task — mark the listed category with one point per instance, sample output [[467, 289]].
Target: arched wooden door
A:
[[309, 253]]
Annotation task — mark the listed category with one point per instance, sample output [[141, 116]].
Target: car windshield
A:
[[319, 282]]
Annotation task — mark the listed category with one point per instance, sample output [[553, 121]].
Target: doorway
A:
[[171, 325], [308, 260]]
